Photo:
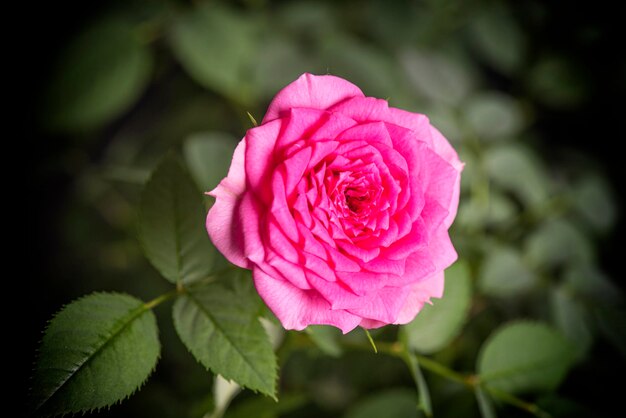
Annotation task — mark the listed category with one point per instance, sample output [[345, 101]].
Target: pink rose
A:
[[340, 205]]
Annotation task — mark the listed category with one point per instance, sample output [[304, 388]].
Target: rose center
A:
[[357, 199]]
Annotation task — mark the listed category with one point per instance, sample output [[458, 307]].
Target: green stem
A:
[[412, 363], [160, 299], [443, 371], [517, 402], [211, 277], [180, 288], [397, 349]]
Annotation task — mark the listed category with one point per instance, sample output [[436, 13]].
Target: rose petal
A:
[[364, 109], [385, 306], [289, 271], [385, 265], [305, 126], [428, 133], [280, 207], [296, 308], [371, 324], [276, 239], [441, 251], [363, 254], [439, 180], [368, 133], [417, 268], [250, 221], [294, 167], [415, 122], [311, 91], [337, 294], [407, 245], [443, 148], [420, 293], [222, 220], [259, 157], [363, 282]]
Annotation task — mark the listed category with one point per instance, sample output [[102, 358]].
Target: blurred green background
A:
[[530, 93]]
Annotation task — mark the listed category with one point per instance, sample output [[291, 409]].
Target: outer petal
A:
[[440, 181], [304, 125], [260, 158], [428, 133], [385, 306], [297, 308], [311, 91], [250, 220], [442, 252], [222, 222], [419, 294], [443, 148], [370, 323], [416, 122]]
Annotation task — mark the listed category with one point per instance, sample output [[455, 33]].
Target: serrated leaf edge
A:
[[212, 369], [170, 158], [140, 310]]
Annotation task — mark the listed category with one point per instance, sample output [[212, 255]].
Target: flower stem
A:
[[471, 381], [160, 299]]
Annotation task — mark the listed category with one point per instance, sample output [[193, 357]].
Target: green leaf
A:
[[504, 273], [498, 38], [280, 61], [557, 242], [208, 156], [96, 351], [612, 323], [261, 407], [221, 330], [559, 407], [364, 66], [494, 116], [171, 224], [438, 324], [307, 19], [393, 403], [497, 210], [594, 202], [524, 357], [445, 119], [592, 286], [325, 337], [572, 319], [484, 403], [603, 301], [100, 75], [436, 77], [557, 82], [275, 332], [217, 48], [516, 169]]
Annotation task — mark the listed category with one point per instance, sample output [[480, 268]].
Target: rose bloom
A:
[[340, 205]]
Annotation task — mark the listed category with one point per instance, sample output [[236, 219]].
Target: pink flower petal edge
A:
[[311, 91]]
